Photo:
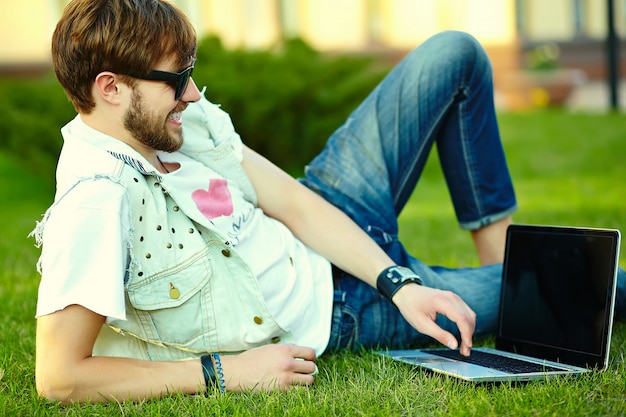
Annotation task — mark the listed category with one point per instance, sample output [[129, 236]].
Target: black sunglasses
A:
[[178, 80]]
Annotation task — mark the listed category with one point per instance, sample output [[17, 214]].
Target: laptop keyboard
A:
[[494, 361]]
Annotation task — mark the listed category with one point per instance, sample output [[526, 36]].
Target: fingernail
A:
[[452, 344]]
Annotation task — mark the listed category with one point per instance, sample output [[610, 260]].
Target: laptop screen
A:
[[558, 292]]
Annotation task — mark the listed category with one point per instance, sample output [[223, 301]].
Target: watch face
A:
[[392, 279], [394, 274], [399, 275]]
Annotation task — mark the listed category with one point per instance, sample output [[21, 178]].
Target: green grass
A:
[[568, 169]]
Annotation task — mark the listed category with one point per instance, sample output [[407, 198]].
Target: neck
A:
[[161, 166]]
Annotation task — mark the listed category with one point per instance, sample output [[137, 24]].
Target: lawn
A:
[[568, 170]]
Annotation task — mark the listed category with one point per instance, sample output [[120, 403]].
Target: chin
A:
[[177, 143]]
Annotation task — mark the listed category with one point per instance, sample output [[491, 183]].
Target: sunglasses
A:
[[178, 80]]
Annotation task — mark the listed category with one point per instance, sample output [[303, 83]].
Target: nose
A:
[[192, 94]]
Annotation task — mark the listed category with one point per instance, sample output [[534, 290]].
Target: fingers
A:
[[303, 352], [298, 367], [444, 337], [305, 367], [453, 307], [305, 358], [420, 305], [301, 368], [465, 319]]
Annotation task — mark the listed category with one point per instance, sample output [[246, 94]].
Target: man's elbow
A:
[[58, 388]]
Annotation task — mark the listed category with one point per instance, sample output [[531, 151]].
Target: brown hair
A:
[[121, 36]]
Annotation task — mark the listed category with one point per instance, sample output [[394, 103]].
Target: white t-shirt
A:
[[88, 268]]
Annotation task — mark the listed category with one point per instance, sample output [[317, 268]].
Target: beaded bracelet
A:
[[220, 372]]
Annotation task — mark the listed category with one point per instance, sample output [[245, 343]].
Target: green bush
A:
[[284, 103], [33, 113]]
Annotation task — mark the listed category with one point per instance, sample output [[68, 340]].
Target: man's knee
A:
[[450, 51]]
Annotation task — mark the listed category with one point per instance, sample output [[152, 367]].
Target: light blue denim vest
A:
[[187, 291]]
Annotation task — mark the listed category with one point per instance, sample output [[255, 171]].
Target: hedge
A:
[[283, 102]]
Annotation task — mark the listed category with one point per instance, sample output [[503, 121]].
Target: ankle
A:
[[490, 241]]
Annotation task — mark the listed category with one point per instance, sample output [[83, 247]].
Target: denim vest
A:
[[187, 292]]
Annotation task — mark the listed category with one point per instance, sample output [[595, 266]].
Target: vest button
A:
[[148, 255], [226, 253], [258, 320], [176, 208], [174, 292], [275, 339]]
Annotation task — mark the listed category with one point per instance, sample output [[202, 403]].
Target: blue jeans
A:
[[441, 92]]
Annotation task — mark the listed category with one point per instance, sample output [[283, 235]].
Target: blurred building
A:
[[518, 34]]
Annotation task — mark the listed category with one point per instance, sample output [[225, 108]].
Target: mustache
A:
[[179, 108]]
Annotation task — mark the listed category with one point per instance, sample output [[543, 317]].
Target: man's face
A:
[[158, 129]]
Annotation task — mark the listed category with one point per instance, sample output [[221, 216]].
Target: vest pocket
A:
[[169, 306]]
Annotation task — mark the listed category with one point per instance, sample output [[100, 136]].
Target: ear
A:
[[107, 87]]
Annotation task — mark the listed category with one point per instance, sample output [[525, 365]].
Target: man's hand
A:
[[420, 305], [269, 367]]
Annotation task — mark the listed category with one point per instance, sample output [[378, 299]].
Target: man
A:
[[175, 265]]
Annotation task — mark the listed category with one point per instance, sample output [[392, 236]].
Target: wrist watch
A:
[[393, 278]]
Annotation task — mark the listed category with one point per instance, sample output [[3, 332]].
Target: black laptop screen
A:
[[557, 293]]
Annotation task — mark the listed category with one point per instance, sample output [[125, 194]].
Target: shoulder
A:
[[95, 193]]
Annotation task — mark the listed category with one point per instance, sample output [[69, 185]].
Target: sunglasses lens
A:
[[183, 81]]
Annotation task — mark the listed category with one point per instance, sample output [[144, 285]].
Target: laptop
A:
[[556, 309]]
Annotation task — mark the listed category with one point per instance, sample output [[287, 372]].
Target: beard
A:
[[151, 130]]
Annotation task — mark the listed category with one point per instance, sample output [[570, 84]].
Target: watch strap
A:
[[391, 279]]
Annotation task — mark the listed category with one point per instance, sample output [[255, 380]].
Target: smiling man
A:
[[176, 259]]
